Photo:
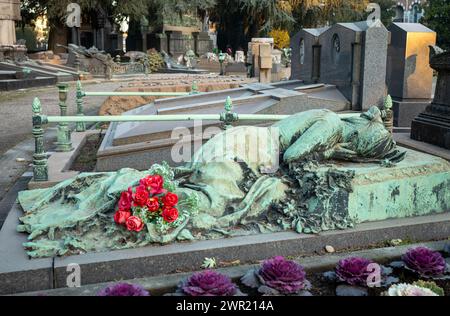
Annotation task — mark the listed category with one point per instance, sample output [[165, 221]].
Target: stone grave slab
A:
[[18, 273], [13, 77], [133, 144], [159, 285]]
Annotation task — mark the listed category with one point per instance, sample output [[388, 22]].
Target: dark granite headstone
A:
[[305, 60], [353, 57], [433, 125], [203, 43]]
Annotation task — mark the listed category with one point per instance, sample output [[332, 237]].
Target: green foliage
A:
[[267, 14], [280, 38], [56, 9], [387, 10], [431, 286], [27, 33], [437, 18], [310, 13], [155, 61]]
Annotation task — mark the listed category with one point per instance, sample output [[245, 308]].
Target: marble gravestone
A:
[[409, 76], [305, 60], [351, 56]]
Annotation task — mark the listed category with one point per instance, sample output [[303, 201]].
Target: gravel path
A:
[[16, 141], [15, 109]]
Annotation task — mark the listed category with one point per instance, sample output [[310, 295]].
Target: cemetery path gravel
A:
[[15, 109]]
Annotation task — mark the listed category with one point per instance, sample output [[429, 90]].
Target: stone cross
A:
[[265, 63]]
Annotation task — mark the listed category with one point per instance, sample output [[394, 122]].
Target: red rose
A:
[[120, 217], [170, 214], [126, 197], [153, 183], [170, 199], [134, 224], [141, 196], [153, 204]]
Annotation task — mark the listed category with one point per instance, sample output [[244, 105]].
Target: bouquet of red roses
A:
[[149, 203]]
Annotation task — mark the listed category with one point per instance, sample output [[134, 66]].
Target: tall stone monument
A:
[[9, 13], [353, 57], [409, 75], [433, 125]]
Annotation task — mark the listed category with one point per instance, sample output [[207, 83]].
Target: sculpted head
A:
[[370, 138]]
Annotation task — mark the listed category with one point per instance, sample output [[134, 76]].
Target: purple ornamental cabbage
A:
[[208, 283], [277, 276], [124, 289], [424, 261], [353, 270]]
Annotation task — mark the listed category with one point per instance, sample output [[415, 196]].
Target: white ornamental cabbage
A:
[[405, 289]]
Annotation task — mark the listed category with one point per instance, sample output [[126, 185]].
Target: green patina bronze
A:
[[63, 142], [333, 172], [40, 167], [194, 88], [80, 126]]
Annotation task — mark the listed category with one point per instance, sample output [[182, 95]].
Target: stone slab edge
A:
[[17, 272], [21, 274], [158, 260], [404, 139]]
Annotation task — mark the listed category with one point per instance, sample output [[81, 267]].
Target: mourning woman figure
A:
[[236, 177]]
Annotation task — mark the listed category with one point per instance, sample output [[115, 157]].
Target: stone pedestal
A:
[[409, 76], [405, 110], [9, 13], [253, 53], [7, 33], [13, 52], [433, 125]]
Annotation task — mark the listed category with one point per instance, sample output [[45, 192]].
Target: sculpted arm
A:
[[308, 133]]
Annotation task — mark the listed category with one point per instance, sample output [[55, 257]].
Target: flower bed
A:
[[421, 272]]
